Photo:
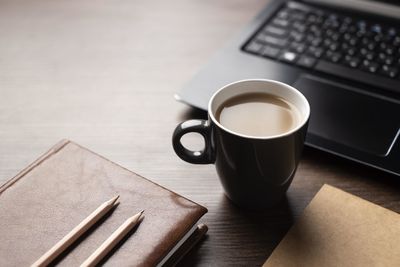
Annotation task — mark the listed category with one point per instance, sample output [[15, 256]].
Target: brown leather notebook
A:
[[50, 197]]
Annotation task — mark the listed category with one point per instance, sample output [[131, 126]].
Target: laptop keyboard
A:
[[332, 43]]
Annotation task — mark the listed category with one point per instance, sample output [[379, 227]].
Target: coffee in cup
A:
[[258, 114], [254, 135]]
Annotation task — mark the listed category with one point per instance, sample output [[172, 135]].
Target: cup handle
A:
[[205, 156]]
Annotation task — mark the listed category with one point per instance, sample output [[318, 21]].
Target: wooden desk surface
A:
[[103, 74]]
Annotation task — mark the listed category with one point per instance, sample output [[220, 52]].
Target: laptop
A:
[[344, 56]]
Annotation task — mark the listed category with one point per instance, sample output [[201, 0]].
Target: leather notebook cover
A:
[[50, 197], [339, 229]]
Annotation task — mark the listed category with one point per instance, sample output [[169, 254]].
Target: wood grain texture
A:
[[103, 74]]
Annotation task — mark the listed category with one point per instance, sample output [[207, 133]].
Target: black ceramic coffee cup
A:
[[254, 171]]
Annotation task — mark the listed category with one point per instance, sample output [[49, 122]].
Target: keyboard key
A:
[[280, 23], [296, 36], [347, 36], [361, 33], [351, 51], [389, 50], [352, 29], [315, 51], [298, 15], [253, 47], [389, 60], [312, 18], [335, 37], [345, 47], [353, 41], [376, 28], [392, 32], [275, 31], [333, 46], [333, 24], [347, 20], [383, 46], [370, 55], [351, 61], [381, 57], [333, 56], [298, 47], [270, 51], [389, 71], [316, 41], [306, 61], [299, 26], [371, 46], [369, 66], [396, 41], [327, 42], [288, 56], [364, 51], [361, 24], [283, 14], [343, 29], [378, 38], [373, 67], [365, 41], [272, 40]]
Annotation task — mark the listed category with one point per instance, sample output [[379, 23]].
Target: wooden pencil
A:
[[112, 240], [75, 233]]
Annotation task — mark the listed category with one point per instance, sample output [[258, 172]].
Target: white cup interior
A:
[[276, 88]]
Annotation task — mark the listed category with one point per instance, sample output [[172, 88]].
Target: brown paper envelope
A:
[[339, 229]]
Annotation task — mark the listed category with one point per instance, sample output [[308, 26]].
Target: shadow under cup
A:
[[254, 171]]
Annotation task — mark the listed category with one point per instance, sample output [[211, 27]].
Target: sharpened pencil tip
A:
[[113, 200], [141, 216]]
